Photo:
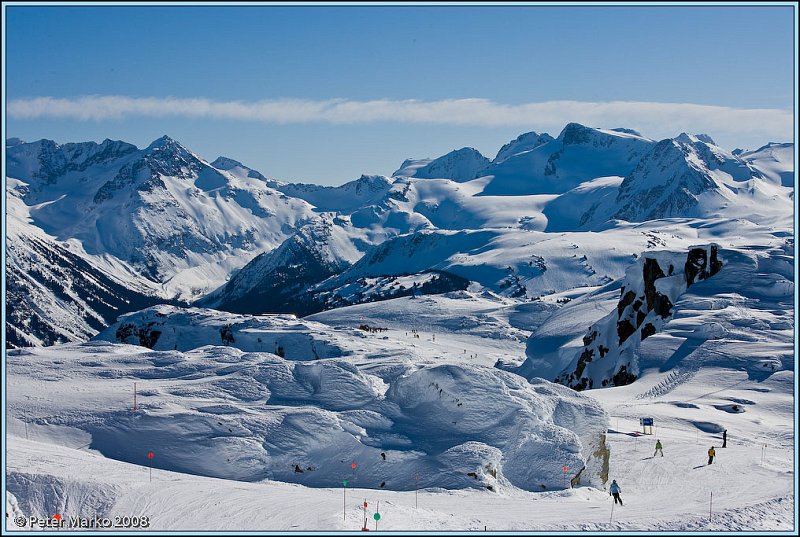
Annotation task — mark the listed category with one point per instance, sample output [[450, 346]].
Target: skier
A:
[[297, 469], [658, 448], [614, 490], [711, 454], [725, 438]]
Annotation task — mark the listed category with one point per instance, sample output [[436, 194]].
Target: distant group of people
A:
[[711, 451], [615, 490], [372, 329], [414, 333]]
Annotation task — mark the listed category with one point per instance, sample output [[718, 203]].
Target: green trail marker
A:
[[344, 499], [376, 516]]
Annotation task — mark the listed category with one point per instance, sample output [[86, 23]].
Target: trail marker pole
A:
[[344, 500], [612, 512], [565, 477], [416, 491], [134, 398], [762, 454], [365, 515], [26, 430], [710, 503], [377, 515], [150, 457]]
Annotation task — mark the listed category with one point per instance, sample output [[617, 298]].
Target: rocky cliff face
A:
[[651, 287]]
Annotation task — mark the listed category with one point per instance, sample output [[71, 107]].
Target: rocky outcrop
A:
[[650, 288]]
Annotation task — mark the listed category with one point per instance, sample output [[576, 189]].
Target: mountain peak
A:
[[694, 138], [523, 142], [226, 163], [163, 142], [575, 133], [458, 165]]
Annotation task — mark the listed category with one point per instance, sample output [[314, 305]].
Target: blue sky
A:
[[324, 94]]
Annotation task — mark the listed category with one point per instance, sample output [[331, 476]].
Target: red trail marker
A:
[[150, 458]]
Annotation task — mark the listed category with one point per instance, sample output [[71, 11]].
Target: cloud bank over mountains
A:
[[657, 118]]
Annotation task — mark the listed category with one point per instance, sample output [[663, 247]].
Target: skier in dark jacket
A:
[[614, 490]]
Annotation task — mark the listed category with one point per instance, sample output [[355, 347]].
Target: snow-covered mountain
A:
[[523, 142], [278, 280], [166, 223], [578, 154], [366, 190], [53, 294], [775, 161], [459, 165], [685, 176], [162, 211], [237, 168]]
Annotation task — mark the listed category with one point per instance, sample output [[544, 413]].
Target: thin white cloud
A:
[[652, 118]]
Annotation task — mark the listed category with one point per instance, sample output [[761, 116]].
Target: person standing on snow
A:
[[711, 454], [658, 448], [725, 438], [614, 490]]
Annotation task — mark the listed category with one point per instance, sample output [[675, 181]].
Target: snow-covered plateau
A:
[[467, 344]]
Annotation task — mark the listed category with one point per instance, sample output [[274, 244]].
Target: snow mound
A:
[[453, 425], [182, 329]]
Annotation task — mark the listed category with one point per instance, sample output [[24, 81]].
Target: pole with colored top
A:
[[344, 500]]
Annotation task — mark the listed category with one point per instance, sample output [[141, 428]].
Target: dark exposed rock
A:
[[588, 339], [145, 335], [699, 266], [650, 273], [662, 306], [715, 264], [624, 330], [626, 299], [637, 300], [586, 357], [226, 333], [647, 331], [623, 377], [695, 268]]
